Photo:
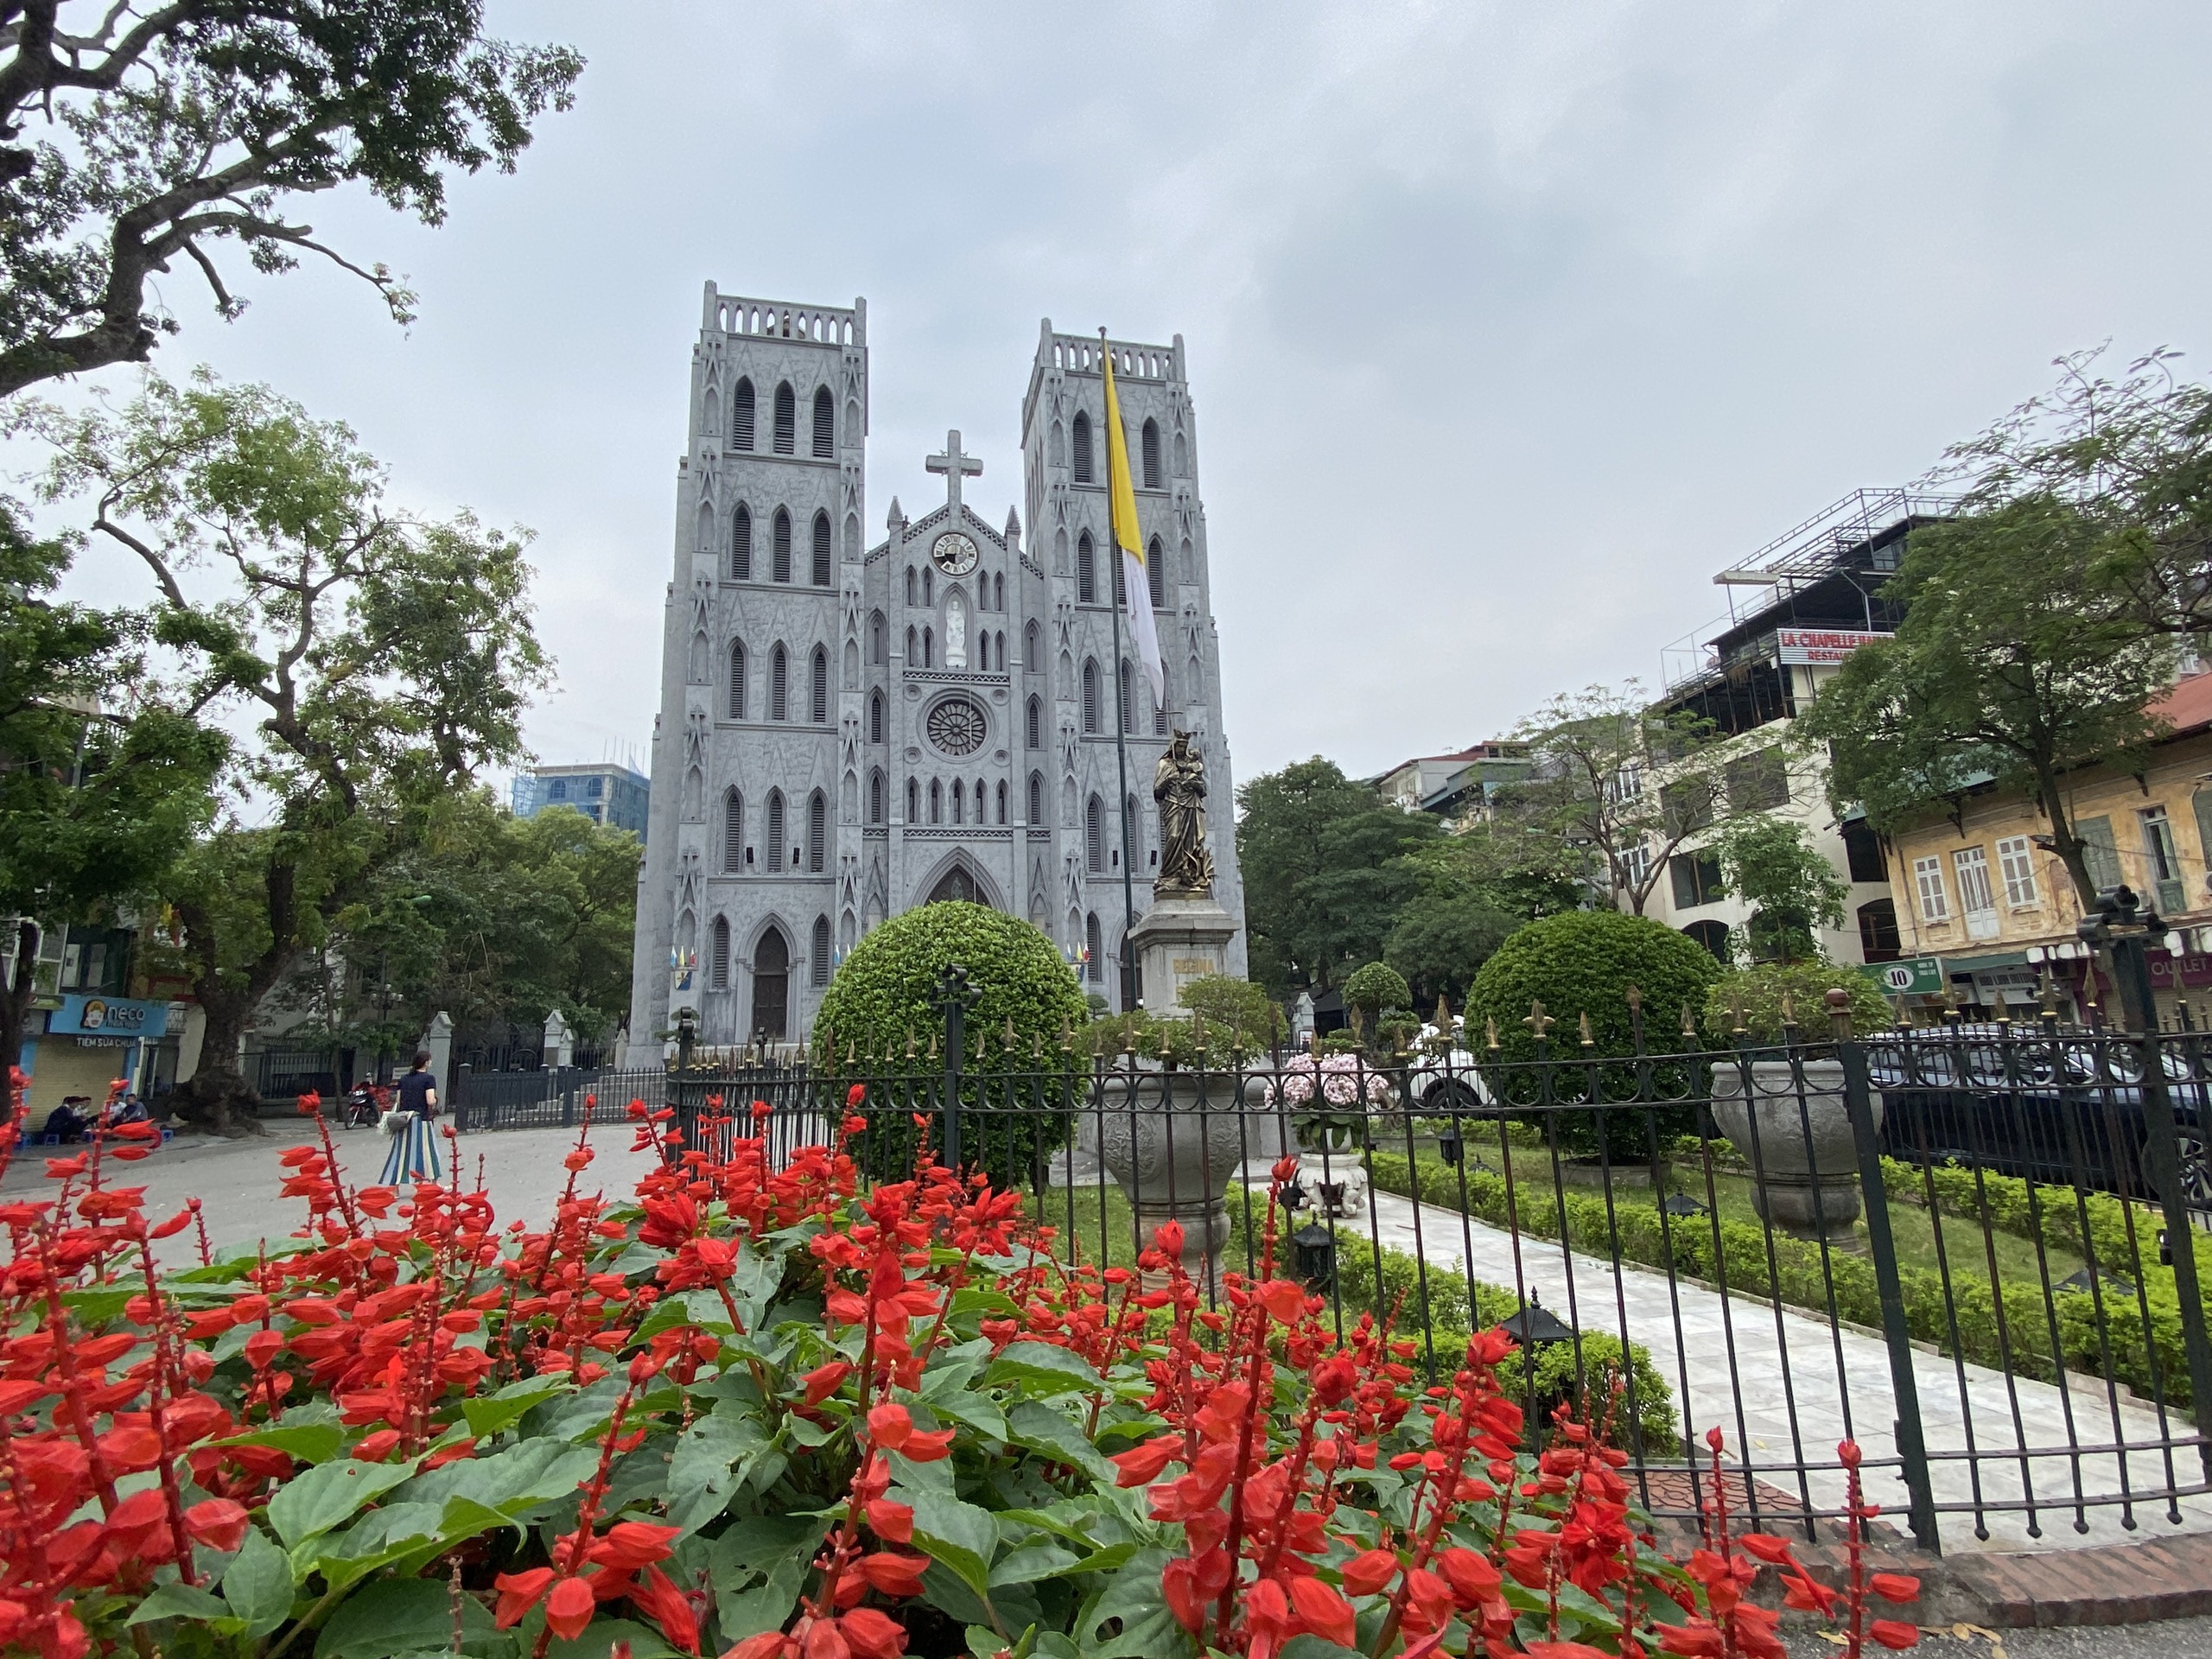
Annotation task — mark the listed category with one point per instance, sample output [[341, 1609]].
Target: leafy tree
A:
[[2132, 457], [383, 657], [2020, 659], [1617, 786], [103, 780], [1474, 888], [1236, 1008], [1772, 866], [171, 131], [1322, 857], [498, 920]]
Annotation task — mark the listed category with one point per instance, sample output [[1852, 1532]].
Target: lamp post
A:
[[1535, 1326], [687, 1032], [1314, 1253], [953, 998]]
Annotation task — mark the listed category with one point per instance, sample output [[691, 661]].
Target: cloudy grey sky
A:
[[1508, 325]]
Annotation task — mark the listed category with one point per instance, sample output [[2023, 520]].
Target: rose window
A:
[[957, 726]]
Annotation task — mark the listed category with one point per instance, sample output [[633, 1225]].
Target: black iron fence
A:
[[1978, 1250]]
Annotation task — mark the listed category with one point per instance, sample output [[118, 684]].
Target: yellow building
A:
[[1978, 892]]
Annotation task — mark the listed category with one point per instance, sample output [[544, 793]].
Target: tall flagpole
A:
[[1120, 706]]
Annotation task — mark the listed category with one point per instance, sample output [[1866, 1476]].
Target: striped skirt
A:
[[414, 1154]]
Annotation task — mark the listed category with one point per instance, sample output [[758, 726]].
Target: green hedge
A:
[[1779, 1269], [881, 999], [1436, 1302]]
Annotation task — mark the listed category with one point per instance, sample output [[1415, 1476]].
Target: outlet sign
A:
[[1916, 977]]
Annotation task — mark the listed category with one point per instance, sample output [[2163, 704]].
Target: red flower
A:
[[219, 1523], [1323, 1612], [895, 1575], [1892, 1635], [873, 1635], [893, 1522], [569, 1608], [1365, 1574], [518, 1593], [889, 1426]]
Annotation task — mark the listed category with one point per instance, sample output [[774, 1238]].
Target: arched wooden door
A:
[[771, 983]]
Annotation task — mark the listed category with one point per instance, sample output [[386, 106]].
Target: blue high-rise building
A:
[[607, 793]]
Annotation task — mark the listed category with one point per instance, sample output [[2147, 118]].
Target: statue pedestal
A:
[[1177, 940]]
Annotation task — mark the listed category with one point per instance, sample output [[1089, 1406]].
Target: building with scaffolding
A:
[[1797, 607]]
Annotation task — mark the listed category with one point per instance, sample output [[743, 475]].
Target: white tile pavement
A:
[[1739, 1363]]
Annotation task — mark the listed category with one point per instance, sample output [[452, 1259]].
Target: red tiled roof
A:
[[2188, 706]]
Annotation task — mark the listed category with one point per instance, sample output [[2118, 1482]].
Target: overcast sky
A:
[[1508, 326]]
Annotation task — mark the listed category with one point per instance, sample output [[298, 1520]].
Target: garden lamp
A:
[[1534, 1326], [1447, 1144], [1682, 1205], [1314, 1247]]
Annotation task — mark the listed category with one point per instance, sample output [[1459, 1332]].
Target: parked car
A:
[[2066, 1109], [1447, 1083]]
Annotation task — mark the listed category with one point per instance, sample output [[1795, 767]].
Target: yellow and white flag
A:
[[1122, 500]]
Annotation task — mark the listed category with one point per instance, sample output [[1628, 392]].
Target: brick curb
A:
[[2098, 1585]]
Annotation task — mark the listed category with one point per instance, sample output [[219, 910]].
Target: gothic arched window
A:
[[1081, 444], [1001, 798], [817, 833], [1031, 657], [1128, 699], [929, 585], [1118, 560], [1151, 454], [732, 834], [779, 702], [787, 420], [875, 797], [1086, 571], [1036, 798], [740, 544], [737, 680], [741, 416], [1155, 572], [718, 955], [825, 423], [959, 802], [818, 689], [821, 573], [913, 802], [1032, 725], [1094, 835], [875, 716], [1095, 968], [1090, 697], [936, 802], [929, 647], [913, 656], [775, 837], [1057, 453], [780, 546], [818, 968], [909, 584], [998, 593], [876, 638]]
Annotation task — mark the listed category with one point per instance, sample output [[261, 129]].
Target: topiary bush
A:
[[1375, 987], [1758, 991], [1017, 1106], [1584, 964]]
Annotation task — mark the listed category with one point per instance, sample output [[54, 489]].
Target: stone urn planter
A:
[[1174, 1140], [1804, 1160]]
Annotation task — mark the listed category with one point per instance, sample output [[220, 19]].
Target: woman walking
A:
[[414, 1155]]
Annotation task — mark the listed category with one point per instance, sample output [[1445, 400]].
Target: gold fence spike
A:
[[1538, 1020], [1490, 1033], [1588, 1039], [1689, 1022]]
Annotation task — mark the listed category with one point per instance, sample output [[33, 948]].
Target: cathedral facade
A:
[[848, 731]]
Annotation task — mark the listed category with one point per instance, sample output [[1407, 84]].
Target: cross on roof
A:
[[953, 465]]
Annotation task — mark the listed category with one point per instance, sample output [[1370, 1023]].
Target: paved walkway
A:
[[1739, 1363], [239, 1181]]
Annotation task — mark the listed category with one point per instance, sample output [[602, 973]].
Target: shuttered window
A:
[[733, 833], [740, 544], [2016, 860], [718, 955], [2099, 852], [825, 424], [1082, 443], [1927, 887], [817, 833], [1090, 697], [779, 706], [821, 573], [1151, 454], [818, 692], [1086, 570], [1095, 968], [818, 965], [737, 682], [1156, 573], [1094, 835], [787, 420], [741, 416], [1036, 797]]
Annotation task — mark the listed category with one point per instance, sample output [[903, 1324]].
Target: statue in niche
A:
[[1178, 784], [956, 632]]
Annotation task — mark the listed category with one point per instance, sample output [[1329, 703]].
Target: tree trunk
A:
[[17, 987], [2064, 842], [217, 1094]]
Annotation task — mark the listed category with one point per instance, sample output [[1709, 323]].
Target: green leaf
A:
[[309, 1442], [98, 1306], [600, 1637], [1040, 1367], [979, 1412], [983, 1641], [757, 1567], [257, 1585], [310, 1504], [712, 1459], [959, 1534], [180, 1601], [395, 1616], [502, 1410], [1104, 1560], [1131, 1602], [1041, 1428], [1031, 1562]]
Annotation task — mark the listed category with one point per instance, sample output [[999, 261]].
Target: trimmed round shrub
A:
[[1375, 987], [1759, 991], [1014, 1106], [1584, 963]]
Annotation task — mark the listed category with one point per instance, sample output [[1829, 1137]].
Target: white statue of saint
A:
[[956, 632]]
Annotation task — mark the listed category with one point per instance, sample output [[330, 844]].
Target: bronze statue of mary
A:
[[1178, 784]]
